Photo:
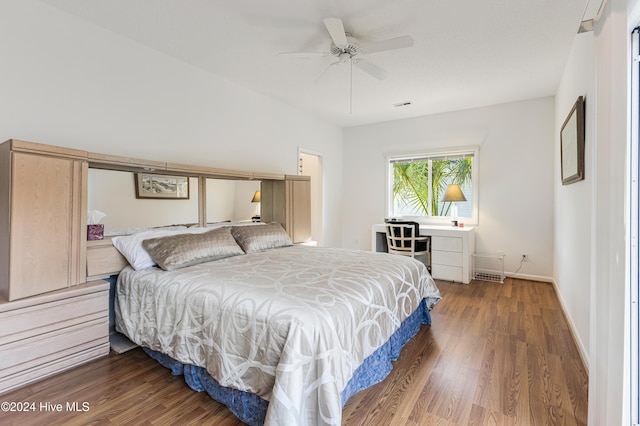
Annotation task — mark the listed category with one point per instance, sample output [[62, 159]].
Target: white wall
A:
[[573, 215], [590, 241], [608, 364], [515, 176], [70, 83]]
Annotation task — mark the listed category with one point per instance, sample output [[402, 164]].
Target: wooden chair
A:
[[404, 239]]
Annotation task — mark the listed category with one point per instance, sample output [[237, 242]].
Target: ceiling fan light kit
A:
[[351, 48]]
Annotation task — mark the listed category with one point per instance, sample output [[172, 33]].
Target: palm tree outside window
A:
[[417, 184]]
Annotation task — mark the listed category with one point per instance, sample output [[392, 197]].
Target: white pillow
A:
[[131, 245], [131, 231]]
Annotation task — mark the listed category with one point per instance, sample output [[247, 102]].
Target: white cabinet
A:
[[447, 258], [451, 250]]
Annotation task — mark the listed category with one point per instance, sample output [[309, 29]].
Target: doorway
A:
[[310, 164]]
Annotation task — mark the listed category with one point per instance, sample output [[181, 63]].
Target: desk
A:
[[451, 250]]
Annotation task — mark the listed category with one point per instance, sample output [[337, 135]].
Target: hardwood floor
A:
[[494, 355]]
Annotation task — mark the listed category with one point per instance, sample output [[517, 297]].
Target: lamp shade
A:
[[453, 193], [256, 197]]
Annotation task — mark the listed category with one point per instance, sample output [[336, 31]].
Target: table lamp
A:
[[256, 199], [452, 194]]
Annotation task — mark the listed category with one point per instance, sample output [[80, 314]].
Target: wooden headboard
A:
[[103, 259]]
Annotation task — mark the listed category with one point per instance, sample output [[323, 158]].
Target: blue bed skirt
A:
[[252, 410]]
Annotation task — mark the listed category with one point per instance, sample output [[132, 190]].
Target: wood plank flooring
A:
[[496, 354]]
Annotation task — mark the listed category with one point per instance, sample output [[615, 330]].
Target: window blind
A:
[[422, 158]]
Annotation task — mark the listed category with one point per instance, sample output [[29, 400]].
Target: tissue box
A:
[[95, 232]]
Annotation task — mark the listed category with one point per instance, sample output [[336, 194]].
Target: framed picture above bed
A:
[[161, 186], [572, 144]]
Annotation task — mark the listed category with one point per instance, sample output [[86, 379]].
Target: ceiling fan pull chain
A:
[[350, 86]]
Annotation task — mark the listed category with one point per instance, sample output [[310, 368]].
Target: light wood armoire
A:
[[50, 318]]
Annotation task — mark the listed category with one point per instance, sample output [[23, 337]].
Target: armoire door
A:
[[46, 228]]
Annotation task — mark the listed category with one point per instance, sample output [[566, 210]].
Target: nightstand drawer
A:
[[446, 243], [103, 258]]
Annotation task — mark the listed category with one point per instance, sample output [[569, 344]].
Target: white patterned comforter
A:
[[289, 324]]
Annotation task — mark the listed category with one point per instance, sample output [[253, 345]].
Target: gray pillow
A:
[[256, 238], [178, 251]]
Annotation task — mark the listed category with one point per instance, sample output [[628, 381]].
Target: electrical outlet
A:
[[525, 258]]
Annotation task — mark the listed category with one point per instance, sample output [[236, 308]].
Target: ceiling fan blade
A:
[[325, 70], [371, 69], [336, 31], [390, 44], [305, 55]]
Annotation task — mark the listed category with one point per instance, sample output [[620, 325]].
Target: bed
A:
[[280, 333]]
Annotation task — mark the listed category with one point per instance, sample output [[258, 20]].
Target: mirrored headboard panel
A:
[[113, 192], [231, 200]]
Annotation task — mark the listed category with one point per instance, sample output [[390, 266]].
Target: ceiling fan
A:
[[347, 50]]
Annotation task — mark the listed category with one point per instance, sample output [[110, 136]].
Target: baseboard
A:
[[530, 277], [584, 354]]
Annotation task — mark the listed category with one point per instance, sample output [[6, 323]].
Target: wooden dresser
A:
[[46, 334]]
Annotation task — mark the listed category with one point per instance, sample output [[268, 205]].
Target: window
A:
[[416, 185]]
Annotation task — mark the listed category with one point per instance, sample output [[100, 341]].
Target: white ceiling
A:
[[466, 53]]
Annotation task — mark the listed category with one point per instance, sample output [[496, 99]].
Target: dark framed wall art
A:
[[572, 144], [162, 186]]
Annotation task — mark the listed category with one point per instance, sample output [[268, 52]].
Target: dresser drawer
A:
[[25, 354], [449, 258], [38, 319], [446, 243], [52, 332], [444, 272]]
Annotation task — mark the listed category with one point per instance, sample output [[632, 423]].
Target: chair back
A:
[[403, 238]]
